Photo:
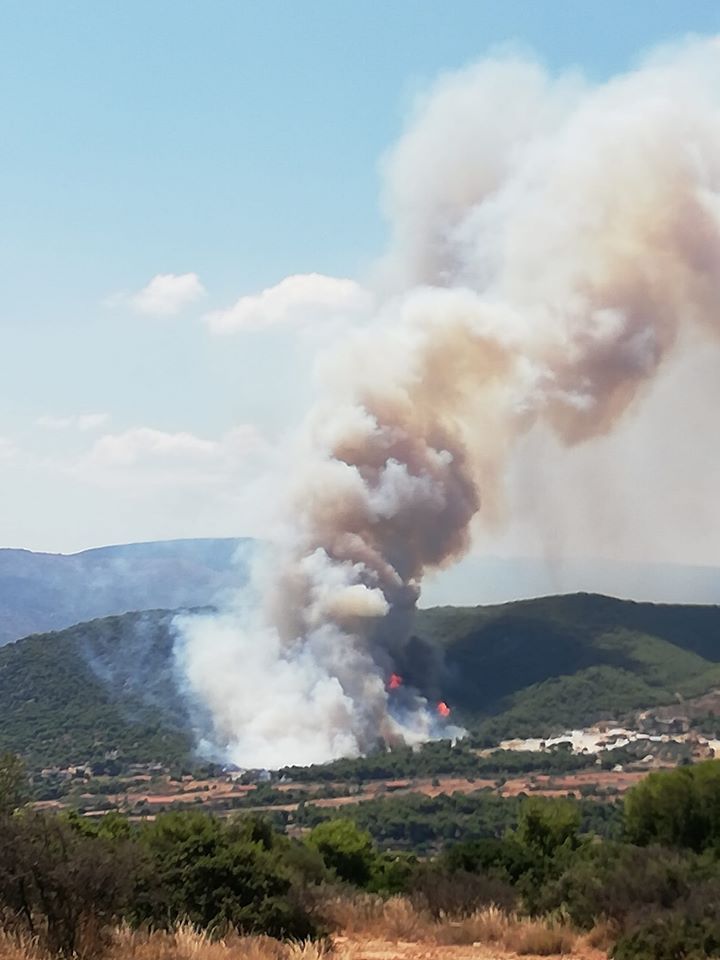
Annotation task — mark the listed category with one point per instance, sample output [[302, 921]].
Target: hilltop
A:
[[527, 668]]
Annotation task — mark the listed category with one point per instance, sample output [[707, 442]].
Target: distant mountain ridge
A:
[[44, 591]]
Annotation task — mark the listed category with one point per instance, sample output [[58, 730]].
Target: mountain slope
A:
[[563, 661], [96, 688], [44, 591], [531, 667]]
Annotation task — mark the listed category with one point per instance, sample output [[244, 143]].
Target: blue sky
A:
[[235, 141]]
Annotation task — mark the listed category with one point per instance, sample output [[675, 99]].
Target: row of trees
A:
[[440, 758]]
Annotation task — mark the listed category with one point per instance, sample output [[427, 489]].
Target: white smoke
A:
[[550, 242]]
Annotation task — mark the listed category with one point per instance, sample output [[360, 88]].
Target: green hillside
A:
[[528, 668], [98, 688], [536, 666]]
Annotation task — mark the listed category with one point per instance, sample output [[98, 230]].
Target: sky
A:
[[190, 207]]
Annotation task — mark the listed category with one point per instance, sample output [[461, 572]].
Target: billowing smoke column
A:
[[550, 239]]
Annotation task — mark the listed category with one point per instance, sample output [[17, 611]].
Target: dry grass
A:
[[17, 948], [399, 919], [489, 925], [360, 914], [187, 943], [360, 918], [519, 935], [403, 921], [184, 943], [371, 917], [540, 939], [602, 936]]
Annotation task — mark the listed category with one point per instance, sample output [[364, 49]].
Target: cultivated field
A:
[[222, 795]]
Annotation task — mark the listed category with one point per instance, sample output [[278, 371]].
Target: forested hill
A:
[[81, 694], [49, 591], [536, 665], [527, 668]]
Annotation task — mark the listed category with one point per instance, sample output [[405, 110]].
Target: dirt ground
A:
[[387, 950]]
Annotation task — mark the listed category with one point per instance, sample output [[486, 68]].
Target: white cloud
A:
[[298, 300], [168, 294], [140, 484], [143, 443], [146, 456], [84, 422]]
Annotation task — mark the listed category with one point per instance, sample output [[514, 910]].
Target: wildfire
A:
[[443, 709], [395, 681]]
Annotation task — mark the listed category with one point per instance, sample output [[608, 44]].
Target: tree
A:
[[13, 783], [216, 874], [546, 825], [676, 808], [59, 885], [346, 849]]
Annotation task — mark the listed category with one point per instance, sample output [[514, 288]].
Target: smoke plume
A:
[[550, 240]]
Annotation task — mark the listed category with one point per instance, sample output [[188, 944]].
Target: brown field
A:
[[210, 794], [538, 785]]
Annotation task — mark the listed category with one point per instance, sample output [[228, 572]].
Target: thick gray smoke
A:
[[550, 241]]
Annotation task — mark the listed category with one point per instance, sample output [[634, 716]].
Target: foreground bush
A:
[[671, 937], [615, 882], [65, 880], [216, 875], [60, 888]]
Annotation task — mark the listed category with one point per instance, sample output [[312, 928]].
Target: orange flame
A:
[[395, 681], [443, 709]]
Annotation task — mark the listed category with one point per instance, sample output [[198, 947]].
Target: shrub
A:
[[489, 925], [540, 939], [459, 894], [546, 825], [614, 881], [216, 875], [368, 915], [60, 887], [670, 937], [402, 920], [676, 808], [505, 858]]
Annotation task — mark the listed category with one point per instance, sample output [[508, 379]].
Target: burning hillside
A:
[[551, 240]]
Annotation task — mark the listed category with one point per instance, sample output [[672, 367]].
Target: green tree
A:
[[676, 808], [13, 783], [216, 874], [546, 825], [346, 849]]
